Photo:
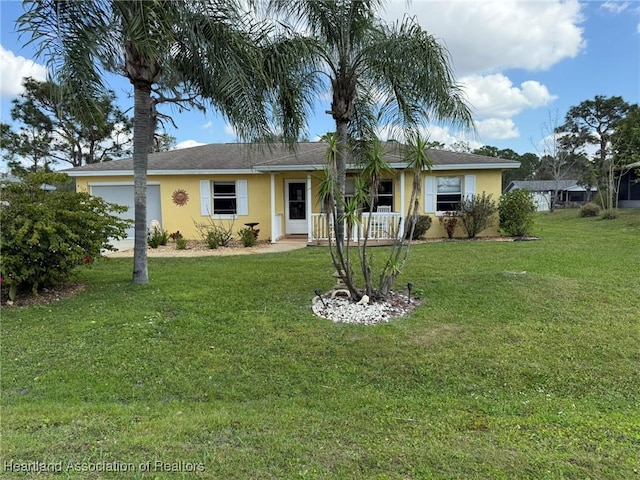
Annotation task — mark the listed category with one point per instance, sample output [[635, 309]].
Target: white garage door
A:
[[123, 195]]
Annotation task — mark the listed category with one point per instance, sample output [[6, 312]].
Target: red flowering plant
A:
[[449, 220]]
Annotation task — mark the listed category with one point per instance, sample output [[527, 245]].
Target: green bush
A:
[[181, 243], [423, 223], [477, 213], [589, 210], [609, 214], [516, 210], [248, 236], [157, 237], [45, 235]]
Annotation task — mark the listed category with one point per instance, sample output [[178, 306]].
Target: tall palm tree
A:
[[205, 49], [395, 74]]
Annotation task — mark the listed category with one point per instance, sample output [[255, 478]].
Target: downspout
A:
[[273, 208], [402, 205], [309, 210]]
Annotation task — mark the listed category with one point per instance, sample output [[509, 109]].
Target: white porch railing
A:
[[384, 226]]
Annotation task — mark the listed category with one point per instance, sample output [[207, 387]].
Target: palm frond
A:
[[412, 70]]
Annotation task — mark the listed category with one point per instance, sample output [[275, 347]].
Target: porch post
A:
[[309, 210], [402, 205], [273, 208]]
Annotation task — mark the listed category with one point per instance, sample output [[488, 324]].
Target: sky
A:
[[522, 65]]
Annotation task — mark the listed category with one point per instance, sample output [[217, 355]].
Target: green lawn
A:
[[219, 366]]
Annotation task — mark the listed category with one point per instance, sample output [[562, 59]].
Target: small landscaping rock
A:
[[343, 310]]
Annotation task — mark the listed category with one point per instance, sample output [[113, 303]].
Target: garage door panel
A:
[[123, 195]]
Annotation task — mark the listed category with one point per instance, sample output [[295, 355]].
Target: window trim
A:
[[459, 193], [207, 199], [220, 196], [468, 187]]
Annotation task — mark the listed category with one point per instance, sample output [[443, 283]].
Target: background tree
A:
[[529, 163], [163, 142], [64, 130], [208, 49], [556, 161], [626, 139], [28, 150], [593, 124]]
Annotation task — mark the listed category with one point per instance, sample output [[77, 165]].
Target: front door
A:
[[296, 206]]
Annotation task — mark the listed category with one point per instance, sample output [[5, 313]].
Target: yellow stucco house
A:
[[276, 188]]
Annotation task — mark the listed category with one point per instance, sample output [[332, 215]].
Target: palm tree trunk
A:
[[141, 125], [341, 170]]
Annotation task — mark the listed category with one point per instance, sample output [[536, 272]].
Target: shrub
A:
[[423, 223], [175, 235], [516, 210], [157, 237], [248, 236], [181, 243], [609, 214], [47, 234], [449, 221], [214, 239], [215, 235], [477, 213], [589, 210]]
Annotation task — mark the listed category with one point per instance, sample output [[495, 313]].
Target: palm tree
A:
[[396, 74], [200, 49]]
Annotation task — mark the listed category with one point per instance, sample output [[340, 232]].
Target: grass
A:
[[218, 369]]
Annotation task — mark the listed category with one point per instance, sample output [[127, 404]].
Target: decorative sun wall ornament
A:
[[180, 197]]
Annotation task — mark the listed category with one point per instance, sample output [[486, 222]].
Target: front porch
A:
[[384, 226], [292, 214]]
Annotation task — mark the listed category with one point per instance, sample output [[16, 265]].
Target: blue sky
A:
[[520, 62]]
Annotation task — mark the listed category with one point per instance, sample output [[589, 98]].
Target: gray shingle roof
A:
[[240, 156], [542, 185]]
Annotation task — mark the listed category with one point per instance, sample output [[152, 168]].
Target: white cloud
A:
[[615, 7], [496, 96], [497, 129], [188, 144], [13, 69], [433, 133], [489, 36], [208, 125], [230, 131]]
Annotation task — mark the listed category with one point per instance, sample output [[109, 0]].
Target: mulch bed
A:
[[46, 296]]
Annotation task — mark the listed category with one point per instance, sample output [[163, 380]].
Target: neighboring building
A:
[[277, 188], [6, 178], [569, 192], [629, 191]]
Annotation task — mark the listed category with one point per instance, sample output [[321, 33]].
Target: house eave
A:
[[288, 168], [477, 166], [128, 173], [279, 168]]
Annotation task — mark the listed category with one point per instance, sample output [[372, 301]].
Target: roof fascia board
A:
[[476, 166], [281, 168], [114, 183], [122, 173]]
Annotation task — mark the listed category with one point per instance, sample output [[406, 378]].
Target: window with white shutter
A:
[[224, 198]]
